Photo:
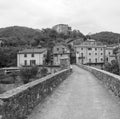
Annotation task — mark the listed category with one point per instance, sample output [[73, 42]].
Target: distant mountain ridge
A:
[[106, 37]]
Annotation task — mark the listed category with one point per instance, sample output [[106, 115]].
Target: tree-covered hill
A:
[[17, 35], [106, 37]]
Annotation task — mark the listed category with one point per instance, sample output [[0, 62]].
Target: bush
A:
[[14, 75], [112, 67], [44, 71], [26, 73]]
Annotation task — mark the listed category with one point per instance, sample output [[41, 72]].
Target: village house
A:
[[109, 54], [61, 53], [73, 42], [29, 57], [90, 52]]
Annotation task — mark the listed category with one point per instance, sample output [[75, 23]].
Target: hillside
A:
[[18, 35], [106, 37]]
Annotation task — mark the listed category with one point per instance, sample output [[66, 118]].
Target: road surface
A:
[[80, 96]]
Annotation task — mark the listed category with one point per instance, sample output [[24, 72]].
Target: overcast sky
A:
[[86, 15]]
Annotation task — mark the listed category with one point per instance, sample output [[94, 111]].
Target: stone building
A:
[[30, 57], [61, 53], [62, 28], [109, 54]]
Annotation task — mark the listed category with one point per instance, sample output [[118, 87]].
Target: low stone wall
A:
[[111, 81], [19, 102]]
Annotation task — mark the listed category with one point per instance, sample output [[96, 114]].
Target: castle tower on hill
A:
[[62, 28]]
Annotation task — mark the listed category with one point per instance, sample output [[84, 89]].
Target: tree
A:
[[112, 67], [44, 71], [115, 67], [14, 76], [27, 73]]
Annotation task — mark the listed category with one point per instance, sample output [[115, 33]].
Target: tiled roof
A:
[[33, 50]]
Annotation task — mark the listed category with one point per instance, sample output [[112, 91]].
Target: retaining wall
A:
[[19, 102], [111, 81]]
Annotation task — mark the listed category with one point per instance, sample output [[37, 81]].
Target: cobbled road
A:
[[80, 96]]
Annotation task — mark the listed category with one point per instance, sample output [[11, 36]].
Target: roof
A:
[[33, 50], [90, 43], [88, 46], [110, 48], [91, 40]]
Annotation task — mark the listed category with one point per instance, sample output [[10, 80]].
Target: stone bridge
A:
[[88, 93]]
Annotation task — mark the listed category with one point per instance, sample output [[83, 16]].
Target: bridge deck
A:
[[81, 96]]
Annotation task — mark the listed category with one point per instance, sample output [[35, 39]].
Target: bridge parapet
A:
[[111, 81], [19, 102]]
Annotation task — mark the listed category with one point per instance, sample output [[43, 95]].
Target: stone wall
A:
[[111, 81], [19, 102]]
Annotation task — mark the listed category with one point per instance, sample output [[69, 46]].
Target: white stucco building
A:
[[90, 52], [30, 57]]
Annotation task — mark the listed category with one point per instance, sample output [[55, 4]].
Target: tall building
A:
[[62, 28], [90, 52]]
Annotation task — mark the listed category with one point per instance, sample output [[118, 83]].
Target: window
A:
[[32, 54], [44, 55], [95, 53], [63, 50], [57, 49], [101, 53], [32, 62], [101, 48], [89, 48], [95, 48], [101, 59], [25, 62], [82, 54], [89, 53], [81, 48], [89, 60], [25, 55], [107, 59], [77, 52], [109, 53], [96, 60]]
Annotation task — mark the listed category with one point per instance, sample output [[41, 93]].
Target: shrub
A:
[[112, 67], [44, 71], [14, 76], [26, 73]]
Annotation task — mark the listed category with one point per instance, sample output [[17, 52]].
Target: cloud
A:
[[85, 15]]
